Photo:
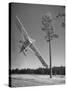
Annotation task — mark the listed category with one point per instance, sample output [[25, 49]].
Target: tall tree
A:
[[48, 28]]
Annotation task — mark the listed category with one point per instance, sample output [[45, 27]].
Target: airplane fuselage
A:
[[24, 45]]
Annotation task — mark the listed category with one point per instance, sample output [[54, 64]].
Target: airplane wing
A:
[[21, 28], [26, 37], [38, 55]]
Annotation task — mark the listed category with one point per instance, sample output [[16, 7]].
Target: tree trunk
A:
[[50, 58]]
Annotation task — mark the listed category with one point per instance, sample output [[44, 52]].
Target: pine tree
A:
[[48, 28]]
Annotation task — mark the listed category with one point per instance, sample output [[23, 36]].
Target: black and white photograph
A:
[[36, 44]]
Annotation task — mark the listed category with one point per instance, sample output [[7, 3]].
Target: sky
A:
[[31, 16]]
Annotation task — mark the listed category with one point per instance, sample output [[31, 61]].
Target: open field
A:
[[24, 80]]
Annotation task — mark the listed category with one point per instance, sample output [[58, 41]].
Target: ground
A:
[[24, 80]]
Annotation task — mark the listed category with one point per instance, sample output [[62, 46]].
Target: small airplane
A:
[[27, 42]]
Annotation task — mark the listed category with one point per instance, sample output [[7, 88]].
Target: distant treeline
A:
[[46, 71]]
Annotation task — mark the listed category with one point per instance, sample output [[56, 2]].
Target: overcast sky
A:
[[31, 17]]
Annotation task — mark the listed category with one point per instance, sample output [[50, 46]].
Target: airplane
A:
[[27, 42]]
